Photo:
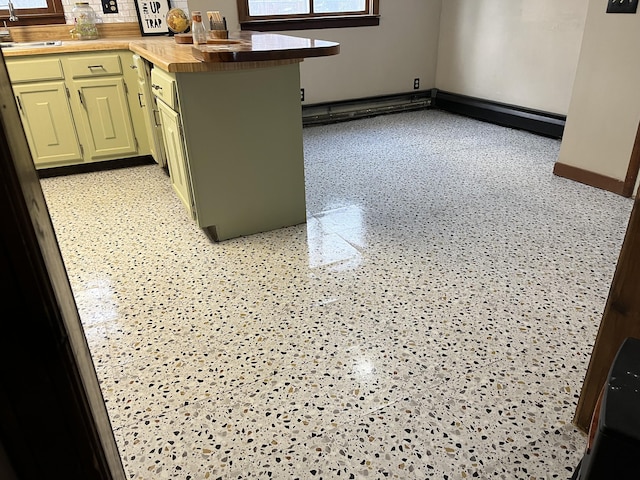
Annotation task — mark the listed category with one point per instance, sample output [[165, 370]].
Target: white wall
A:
[[605, 107], [520, 52], [372, 61]]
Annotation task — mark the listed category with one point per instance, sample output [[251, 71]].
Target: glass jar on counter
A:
[[84, 19], [198, 32]]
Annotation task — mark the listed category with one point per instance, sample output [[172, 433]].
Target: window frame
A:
[[53, 14], [308, 21]]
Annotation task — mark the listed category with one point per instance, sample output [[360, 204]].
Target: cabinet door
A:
[[48, 123], [150, 110], [176, 157], [107, 118]]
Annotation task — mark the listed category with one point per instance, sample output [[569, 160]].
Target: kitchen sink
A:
[[50, 43]]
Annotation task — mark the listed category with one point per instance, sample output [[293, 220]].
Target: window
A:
[[33, 12], [263, 15]]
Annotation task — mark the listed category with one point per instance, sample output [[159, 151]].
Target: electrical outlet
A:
[[302, 94], [622, 6], [109, 6], [416, 83]]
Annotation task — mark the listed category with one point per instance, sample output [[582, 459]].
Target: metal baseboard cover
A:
[[535, 121], [333, 112]]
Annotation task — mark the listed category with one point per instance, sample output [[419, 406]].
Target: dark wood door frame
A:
[[621, 319], [633, 168], [53, 420]]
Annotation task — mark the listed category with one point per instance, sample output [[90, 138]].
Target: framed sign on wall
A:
[[152, 16]]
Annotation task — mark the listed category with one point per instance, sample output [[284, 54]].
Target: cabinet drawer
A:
[[30, 69], [94, 66], [163, 86]]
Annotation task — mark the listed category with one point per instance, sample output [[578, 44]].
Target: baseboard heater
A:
[[513, 116], [535, 121], [325, 113]]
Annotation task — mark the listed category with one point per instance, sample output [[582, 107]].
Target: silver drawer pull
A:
[[156, 87], [95, 66]]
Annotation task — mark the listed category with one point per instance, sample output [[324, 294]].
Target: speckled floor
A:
[[433, 319]]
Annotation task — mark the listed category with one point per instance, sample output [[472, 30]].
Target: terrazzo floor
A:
[[433, 318]]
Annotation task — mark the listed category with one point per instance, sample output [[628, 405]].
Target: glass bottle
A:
[[198, 31], [84, 19]]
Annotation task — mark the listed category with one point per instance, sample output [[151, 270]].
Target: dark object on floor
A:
[[576, 472], [613, 448]]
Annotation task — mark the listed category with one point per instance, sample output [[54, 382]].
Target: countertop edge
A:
[[168, 55], [71, 46], [195, 65]]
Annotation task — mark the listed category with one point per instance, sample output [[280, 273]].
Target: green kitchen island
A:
[[232, 127]]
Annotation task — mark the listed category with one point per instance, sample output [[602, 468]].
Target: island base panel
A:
[[243, 131]]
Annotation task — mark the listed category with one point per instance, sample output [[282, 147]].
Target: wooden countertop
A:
[[70, 46], [255, 46], [244, 50]]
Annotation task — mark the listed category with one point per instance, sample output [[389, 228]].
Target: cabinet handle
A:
[[156, 87], [19, 103], [133, 67], [81, 99], [95, 66], [140, 95], [155, 118]]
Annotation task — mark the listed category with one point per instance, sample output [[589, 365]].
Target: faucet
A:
[[12, 12], [5, 34]]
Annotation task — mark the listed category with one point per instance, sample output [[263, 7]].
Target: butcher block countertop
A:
[[241, 51], [254, 46]]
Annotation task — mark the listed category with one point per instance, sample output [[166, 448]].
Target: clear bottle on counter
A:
[[84, 18], [198, 32]]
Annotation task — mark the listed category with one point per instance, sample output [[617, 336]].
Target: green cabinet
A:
[[164, 88], [106, 118], [48, 123], [42, 97], [76, 108], [148, 104], [176, 157]]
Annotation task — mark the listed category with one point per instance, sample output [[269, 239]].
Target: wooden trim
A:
[[589, 178], [595, 421], [51, 397], [372, 8], [53, 14], [44, 19], [53, 6], [243, 10], [531, 120], [621, 319], [634, 166], [313, 21], [310, 23]]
